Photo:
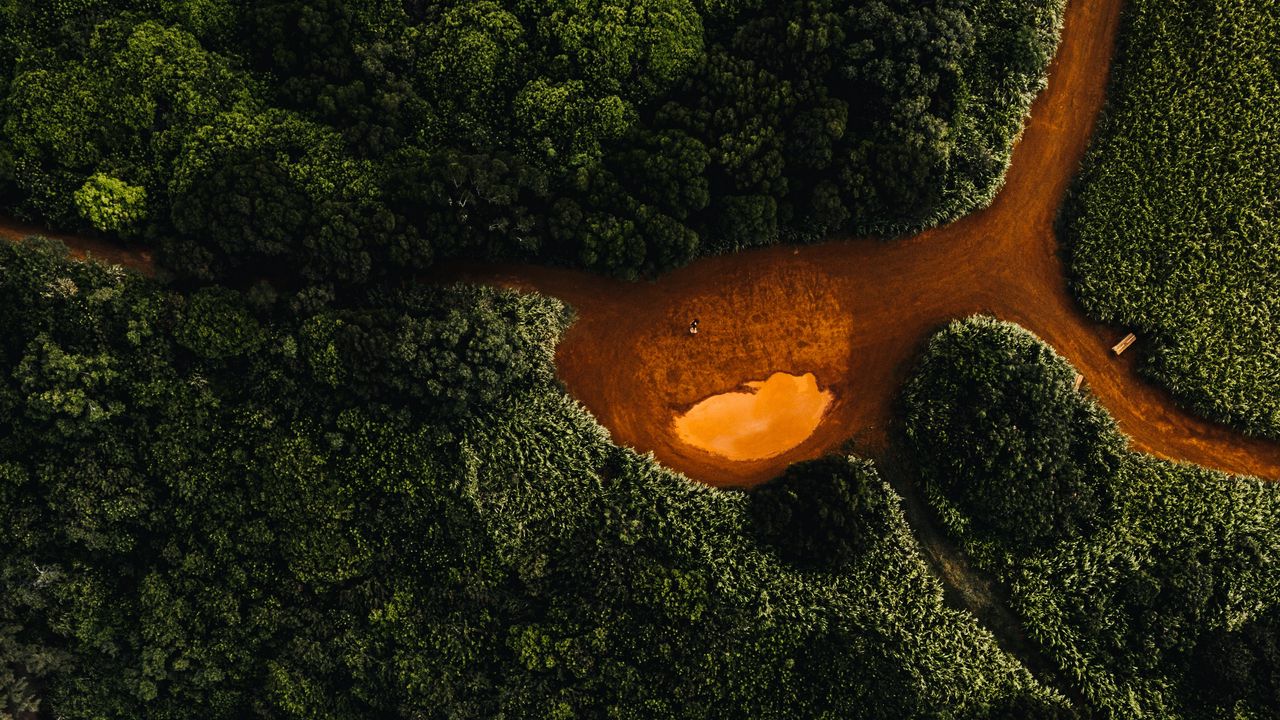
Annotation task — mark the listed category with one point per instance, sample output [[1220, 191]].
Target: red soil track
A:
[[856, 313], [83, 248]]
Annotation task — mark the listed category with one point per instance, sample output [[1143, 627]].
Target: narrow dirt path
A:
[[83, 247], [855, 313], [965, 588]]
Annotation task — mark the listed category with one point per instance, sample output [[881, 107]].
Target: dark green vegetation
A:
[[366, 500], [1174, 230], [226, 505], [340, 139], [1154, 586], [822, 513], [1011, 441]]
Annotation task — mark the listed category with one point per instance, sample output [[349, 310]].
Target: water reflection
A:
[[767, 418]]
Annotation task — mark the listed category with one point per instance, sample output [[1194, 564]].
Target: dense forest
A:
[[286, 480], [321, 496], [286, 505], [1174, 229], [337, 140], [279, 506], [1154, 586]]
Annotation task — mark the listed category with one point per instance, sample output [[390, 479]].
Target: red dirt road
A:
[[856, 313], [83, 247]]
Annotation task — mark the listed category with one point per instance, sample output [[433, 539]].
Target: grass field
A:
[[1175, 227]]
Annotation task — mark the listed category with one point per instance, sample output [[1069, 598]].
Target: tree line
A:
[[337, 140]]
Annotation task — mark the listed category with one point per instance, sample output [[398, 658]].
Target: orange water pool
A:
[[764, 419]]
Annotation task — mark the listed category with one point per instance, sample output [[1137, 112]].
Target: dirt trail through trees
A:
[[856, 313], [82, 247]]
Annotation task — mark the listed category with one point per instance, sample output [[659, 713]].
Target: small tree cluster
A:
[[994, 422], [822, 513]]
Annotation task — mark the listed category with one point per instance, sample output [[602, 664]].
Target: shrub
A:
[[111, 205], [822, 513], [994, 423]]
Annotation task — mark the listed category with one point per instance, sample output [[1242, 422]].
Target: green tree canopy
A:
[[632, 48], [273, 186], [822, 513], [121, 110], [994, 422], [469, 61]]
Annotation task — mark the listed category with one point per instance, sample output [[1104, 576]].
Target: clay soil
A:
[[856, 313]]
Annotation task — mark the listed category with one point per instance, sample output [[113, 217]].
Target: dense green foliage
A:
[[1167, 606], [1004, 444], [228, 505], [1174, 229], [339, 139], [822, 513], [1237, 667]]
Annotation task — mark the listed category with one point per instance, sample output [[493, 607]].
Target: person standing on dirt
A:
[[693, 327]]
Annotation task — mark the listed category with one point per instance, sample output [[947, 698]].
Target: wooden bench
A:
[[1124, 344]]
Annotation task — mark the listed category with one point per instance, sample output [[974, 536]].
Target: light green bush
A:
[[111, 205]]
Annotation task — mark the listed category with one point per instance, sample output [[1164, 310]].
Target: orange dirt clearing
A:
[[630, 359]]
